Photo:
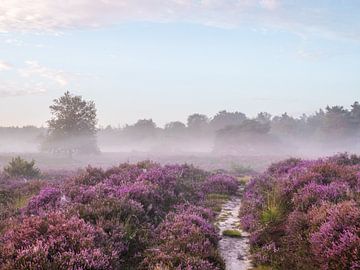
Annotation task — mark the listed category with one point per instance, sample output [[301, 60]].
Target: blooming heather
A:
[[132, 216], [305, 214]]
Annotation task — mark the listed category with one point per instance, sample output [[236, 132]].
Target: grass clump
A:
[[215, 201], [232, 233]]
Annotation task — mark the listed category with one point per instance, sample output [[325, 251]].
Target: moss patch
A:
[[232, 233]]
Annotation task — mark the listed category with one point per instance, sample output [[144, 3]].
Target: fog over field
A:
[[230, 135]]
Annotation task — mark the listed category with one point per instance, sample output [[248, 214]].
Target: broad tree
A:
[[72, 128]]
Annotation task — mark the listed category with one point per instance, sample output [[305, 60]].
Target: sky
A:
[[166, 59]]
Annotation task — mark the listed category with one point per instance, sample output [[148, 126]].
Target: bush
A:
[[19, 167], [127, 217], [221, 183], [185, 240], [305, 214], [52, 242]]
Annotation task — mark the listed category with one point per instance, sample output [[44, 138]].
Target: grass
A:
[[244, 180], [21, 201], [262, 267], [215, 201], [271, 214], [273, 210], [232, 233]]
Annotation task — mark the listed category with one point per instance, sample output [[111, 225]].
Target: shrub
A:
[[185, 240], [126, 217], [49, 198], [221, 183], [52, 242], [305, 214], [19, 167]]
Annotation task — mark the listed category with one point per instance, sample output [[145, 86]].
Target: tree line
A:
[[73, 129]]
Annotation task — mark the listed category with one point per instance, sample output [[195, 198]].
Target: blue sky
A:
[[167, 59]]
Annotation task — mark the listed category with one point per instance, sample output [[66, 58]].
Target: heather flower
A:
[[52, 242], [319, 225], [221, 183], [49, 198]]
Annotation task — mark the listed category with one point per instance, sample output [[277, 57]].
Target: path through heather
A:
[[235, 251]]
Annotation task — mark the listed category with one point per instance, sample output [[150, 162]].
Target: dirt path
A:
[[235, 251]]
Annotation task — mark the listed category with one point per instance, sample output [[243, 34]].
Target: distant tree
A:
[[250, 137], [142, 129], [223, 119], [72, 128], [355, 116], [197, 123], [336, 123], [175, 128], [285, 125], [263, 117]]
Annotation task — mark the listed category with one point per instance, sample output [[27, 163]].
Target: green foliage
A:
[[72, 128], [273, 211], [232, 233], [270, 215], [19, 167]]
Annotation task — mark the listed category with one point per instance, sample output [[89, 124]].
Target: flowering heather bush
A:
[[14, 195], [49, 198], [336, 242], [116, 219], [305, 214], [52, 242], [186, 239], [221, 183]]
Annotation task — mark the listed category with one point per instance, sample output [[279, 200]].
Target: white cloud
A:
[[34, 68], [12, 89], [32, 79], [55, 16], [270, 4], [5, 65]]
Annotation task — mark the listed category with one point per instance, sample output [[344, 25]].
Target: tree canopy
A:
[[72, 128]]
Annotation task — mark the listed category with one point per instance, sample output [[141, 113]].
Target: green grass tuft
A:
[[232, 233]]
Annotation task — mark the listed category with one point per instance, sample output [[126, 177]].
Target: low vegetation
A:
[[141, 216], [19, 167], [305, 214], [232, 233]]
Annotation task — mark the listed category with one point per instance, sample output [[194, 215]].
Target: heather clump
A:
[[304, 214], [221, 183], [49, 198], [185, 240], [131, 216], [52, 242]]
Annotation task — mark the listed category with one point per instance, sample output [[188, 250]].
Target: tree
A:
[[224, 119], [72, 128], [197, 123], [264, 118], [143, 129], [175, 128]]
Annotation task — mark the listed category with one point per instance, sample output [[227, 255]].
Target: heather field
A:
[[305, 214], [179, 135], [131, 216], [297, 214]]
